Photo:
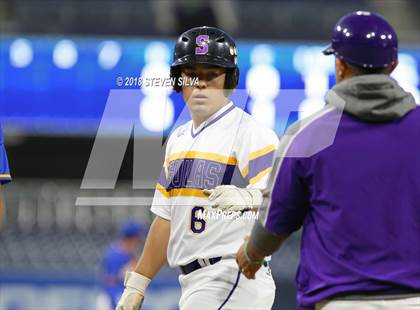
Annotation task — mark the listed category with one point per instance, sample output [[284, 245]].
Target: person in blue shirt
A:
[[119, 257], [5, 176]]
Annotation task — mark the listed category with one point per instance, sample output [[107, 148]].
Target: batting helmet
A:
[[364, 39], [206, 45]]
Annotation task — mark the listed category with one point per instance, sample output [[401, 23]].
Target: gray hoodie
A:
[[372, 98]]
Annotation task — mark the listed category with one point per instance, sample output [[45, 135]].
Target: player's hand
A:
[[232, 198], [133, 295], [130, 300], [248, 261]]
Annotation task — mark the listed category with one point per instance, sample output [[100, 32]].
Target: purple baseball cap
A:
[[364, 39]]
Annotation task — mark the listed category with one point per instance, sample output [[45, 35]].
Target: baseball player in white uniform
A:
[[209, 191]]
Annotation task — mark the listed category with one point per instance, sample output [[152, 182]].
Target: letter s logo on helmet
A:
[[202, 42]]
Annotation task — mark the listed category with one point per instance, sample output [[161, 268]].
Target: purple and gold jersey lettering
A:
[[203, 158], [198, 173]]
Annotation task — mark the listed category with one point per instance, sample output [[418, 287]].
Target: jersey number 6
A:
[[198, 224]]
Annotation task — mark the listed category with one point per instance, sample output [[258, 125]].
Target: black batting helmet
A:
[[206, 45]]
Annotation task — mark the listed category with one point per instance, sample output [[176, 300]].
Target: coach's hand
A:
[[249, 262], [133, 295], [232, 198]]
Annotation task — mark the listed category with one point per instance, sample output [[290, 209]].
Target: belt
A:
[[203, 262], [199, 263]]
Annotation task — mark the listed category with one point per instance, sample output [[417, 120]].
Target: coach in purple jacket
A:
[[350, 176]]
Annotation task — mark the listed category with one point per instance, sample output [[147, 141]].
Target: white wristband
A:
[[136, 281]]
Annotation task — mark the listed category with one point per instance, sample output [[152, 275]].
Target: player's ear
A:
[[231, 81], [175, 74]]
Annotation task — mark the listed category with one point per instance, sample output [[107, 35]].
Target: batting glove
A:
[[232, 198], [133, 295]]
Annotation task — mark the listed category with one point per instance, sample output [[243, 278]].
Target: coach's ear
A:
[[341, 70], [393, 66]]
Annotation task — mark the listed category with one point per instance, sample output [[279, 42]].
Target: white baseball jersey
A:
[[229, 148]]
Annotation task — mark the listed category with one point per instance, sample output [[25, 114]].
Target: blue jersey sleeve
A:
[[114, 262], [5, 176]]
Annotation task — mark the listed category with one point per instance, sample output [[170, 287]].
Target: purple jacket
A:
[[352, 180]]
